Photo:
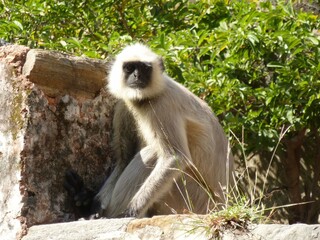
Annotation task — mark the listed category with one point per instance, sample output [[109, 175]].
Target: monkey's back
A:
[[208, 145]]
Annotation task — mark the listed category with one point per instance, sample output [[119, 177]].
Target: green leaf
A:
[[253, 38], [203, 36], [290, 116], [63, 43], [268, 100], [223, 26], [18, 24], [314, 40], [274, 65]]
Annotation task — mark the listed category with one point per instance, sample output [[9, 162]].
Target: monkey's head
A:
[[136, 74]]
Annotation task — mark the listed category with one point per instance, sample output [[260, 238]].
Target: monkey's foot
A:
[[82, 196]]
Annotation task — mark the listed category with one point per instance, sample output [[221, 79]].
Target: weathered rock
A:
[[93, 229], [11, 140], [58, 73], [42, 136], [15, 56], [281, 231], [167, 227]]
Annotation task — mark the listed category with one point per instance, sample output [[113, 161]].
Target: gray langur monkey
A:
[[171, 152]]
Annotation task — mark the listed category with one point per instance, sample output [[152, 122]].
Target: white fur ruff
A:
[[135, 52]]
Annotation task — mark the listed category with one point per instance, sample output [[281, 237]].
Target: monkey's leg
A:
[[125, 144], [130, 181], [102, 199]]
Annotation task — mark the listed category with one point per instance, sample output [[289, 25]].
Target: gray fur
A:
[[172, 154]]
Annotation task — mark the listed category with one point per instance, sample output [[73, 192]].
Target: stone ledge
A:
[[55, 115], [165, 227]]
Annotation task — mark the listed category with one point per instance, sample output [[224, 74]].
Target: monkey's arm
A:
[[123, 156], [125, 144], [172, 157], [130, 181], [103, 198], [156, 185]]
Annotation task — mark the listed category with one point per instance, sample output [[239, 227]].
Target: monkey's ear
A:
[[161, 64]]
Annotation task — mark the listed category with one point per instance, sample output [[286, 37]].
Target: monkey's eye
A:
[[128, 67], [146, 65]]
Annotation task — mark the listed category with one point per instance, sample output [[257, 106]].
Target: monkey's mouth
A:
[[138, 85]]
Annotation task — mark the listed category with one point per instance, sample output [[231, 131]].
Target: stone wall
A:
[[177, 227], [50, 122]]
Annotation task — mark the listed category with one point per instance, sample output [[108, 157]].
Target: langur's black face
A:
[[137, 74]]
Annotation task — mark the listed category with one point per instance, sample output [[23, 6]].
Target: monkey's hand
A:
[[129, 213], [82, 197], [135, 209]]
